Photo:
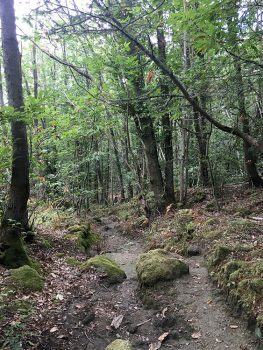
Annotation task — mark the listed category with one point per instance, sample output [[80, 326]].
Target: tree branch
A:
[[110, 19]]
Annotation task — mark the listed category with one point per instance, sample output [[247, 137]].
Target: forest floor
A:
[[76, 309]]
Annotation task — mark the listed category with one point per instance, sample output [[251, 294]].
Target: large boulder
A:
[[27, 279], [119, 344], [159, 265], [112, 270]]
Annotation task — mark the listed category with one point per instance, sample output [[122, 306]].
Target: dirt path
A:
[[186, 308], [194, 306]]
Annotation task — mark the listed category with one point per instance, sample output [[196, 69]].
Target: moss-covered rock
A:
[[184, 221], [119, 344], [83, 235], [219, 255], [26, 278], [13, 254], [113, 271], [230, 267], [158, 265]]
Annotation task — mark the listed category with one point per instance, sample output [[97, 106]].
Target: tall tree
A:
[[15, 219]]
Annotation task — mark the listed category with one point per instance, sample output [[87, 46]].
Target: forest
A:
[[131, 174]]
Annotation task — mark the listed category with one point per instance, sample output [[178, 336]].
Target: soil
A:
[[189, 312]]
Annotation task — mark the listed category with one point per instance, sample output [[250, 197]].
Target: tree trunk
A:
[[13, 253], [202, 138], [1, 87], [250, 154], [126, 155], [118, 163], [144, 126], [166, 122], [145, 129], [185, 124]]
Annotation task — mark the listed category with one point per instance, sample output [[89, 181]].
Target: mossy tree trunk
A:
[[15, 218]]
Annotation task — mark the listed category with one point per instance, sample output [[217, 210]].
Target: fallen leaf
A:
[[196, 335], [53, 329], [164, 311], [158, 344], [116, 322], [163, 336], [59, 297], [155, 346], [61, 336]]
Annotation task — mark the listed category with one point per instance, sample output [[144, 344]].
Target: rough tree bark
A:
[[250, 154], [15, 218], [166, 122]]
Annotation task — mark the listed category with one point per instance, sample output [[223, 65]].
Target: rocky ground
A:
[[80, 309]]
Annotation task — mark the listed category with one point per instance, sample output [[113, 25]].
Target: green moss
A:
[[60, 254], [256, 285], [70, 260], [77, 229], [230, 267], [83, 236], [242, 212], [46, 244], [212, 221], [183, 221], [27, 279], [87, 239], [158, 265], [260, 320], [190, 227], [211, 206], [242, 280], [71, 237], [212, 234], [119, 344], [15, 254], [110, 267], [36, 265], [219, 255], [197, 197], [241, 226], [235, 276], [259, 268]]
